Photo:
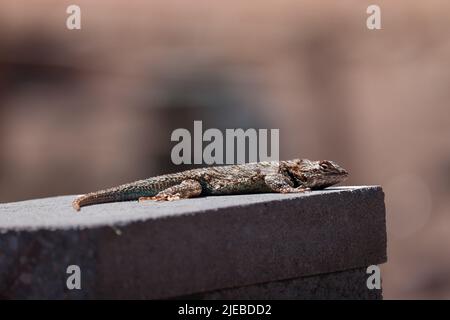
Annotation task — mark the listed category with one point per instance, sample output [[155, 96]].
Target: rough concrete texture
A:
[[170, 249]]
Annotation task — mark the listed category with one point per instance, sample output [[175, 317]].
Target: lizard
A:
[[291, 176]]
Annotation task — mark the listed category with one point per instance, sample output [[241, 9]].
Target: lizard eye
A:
[[324, 165]]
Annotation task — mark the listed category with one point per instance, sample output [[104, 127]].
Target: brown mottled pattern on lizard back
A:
[[289, 176]]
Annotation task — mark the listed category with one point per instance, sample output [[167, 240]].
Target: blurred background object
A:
[[85, 109]]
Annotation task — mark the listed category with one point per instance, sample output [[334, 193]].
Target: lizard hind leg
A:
[[187, 189]]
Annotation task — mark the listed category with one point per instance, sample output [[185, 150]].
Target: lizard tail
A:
[[121, 193], [92, 198]]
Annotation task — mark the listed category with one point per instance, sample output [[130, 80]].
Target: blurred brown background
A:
[[82, 110]]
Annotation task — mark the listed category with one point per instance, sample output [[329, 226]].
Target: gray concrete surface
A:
[[164, 250]]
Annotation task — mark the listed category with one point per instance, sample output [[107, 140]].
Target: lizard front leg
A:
[[186, 189], [281, 184]]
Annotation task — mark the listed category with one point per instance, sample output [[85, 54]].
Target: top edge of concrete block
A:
[[57, 213]]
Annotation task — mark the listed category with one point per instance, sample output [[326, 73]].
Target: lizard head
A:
[[315, 174]]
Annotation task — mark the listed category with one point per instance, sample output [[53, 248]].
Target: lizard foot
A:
[[142, 199], [162, 197], [172, 197], [186, 189], [294, 190]]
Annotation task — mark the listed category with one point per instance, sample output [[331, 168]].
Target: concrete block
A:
[[171, 249]]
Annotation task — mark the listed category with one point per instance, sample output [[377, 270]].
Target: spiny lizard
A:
[[289, 176]]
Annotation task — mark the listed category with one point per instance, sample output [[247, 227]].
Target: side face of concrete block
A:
[[128, 250], [348, 284]]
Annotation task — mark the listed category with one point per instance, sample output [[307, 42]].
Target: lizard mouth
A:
[[330, 179], [342, 174]]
